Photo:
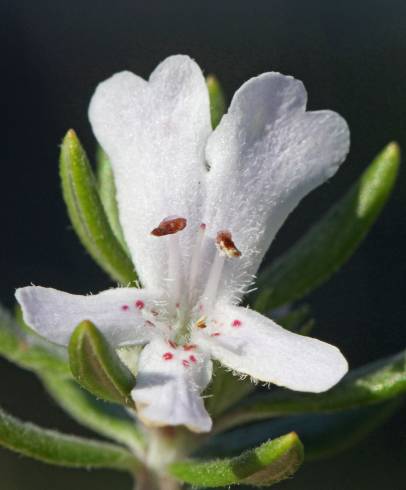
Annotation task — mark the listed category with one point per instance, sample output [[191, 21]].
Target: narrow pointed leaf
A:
[[331, 434], [333, 239], [55, 448], [97, 367], [107, 192], [322, 434], [265, 465], [87, 213], [217, 100], [104, 418], [374, 383], [28, 350]]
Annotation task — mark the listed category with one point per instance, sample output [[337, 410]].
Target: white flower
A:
[[199, 208]]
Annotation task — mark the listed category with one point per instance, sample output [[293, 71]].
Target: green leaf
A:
[[218, 104], [59, 449], [110, 420], [107, 192], [28, 350], [333, 239], [87, 214], [265, 465], [374, 383], [322, 434], [97, 367], [330, 434], [50, 362]]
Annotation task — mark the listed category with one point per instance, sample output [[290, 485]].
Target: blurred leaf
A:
[[97, 367], [331, 241], [296, 320], [217, 100], [54, 448], [338, 432], [225, 390], [373, 383], [323, 435], [110, 420], [28, 350], [107, 192], [265, 465], [87, 213]]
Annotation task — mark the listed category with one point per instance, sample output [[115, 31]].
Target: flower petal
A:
[[250, 343], [155, 135], [169, 382], [118, 313], [265, 156]]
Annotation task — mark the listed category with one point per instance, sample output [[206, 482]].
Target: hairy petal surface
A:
[[169, 382], [252, 344], [117, 313], [266, 154], [155, 134]]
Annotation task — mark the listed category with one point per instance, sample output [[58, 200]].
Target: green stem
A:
[[164, 446]]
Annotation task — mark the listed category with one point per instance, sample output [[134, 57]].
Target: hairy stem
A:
[[165, 445]]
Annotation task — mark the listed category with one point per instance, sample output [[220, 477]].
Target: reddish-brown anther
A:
[[201, 323], [189, 347], [169, 226], [225, 243]]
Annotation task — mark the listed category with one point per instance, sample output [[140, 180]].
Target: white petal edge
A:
[[155, 135], [167, 391], [252, 344], [266, 154], [117, 313]]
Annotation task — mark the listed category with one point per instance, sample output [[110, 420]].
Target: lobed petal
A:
[[169, 382], [266, 154], [155, 135], [117, 313], [252, 344]]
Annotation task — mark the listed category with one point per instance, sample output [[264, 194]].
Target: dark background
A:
[[351, 57]]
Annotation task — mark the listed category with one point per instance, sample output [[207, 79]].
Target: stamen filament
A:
[[169, 227], [210, 291]]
